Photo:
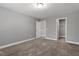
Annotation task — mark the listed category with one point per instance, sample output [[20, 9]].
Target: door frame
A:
[[57, 28]]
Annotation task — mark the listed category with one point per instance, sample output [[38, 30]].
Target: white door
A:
[[40, 28], [43, 28], [38, 33]]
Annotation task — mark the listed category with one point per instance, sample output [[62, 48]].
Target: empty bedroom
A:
[[39, 29]]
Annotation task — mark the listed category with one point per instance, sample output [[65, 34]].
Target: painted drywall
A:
[[72, 27], [15, 27]]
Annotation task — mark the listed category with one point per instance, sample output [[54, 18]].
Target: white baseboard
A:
[[15, 43], [77, 43], [50, 38]]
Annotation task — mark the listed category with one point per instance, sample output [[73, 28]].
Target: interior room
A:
[[39, 29]]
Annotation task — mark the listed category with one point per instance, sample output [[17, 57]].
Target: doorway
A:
[[61, 28]]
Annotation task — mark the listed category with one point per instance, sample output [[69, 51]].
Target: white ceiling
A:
[[52, 9]]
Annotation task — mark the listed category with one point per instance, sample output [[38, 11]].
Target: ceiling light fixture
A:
[[40, 5]]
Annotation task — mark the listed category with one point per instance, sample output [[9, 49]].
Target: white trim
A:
[[50, 38], [66, 28], [57, 27], [15, 43], [77, 43]]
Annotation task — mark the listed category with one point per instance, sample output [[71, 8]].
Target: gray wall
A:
[[72, 27], [15, 27]]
